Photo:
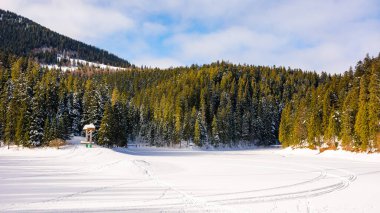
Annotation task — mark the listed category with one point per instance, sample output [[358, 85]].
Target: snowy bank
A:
[[339, 154]]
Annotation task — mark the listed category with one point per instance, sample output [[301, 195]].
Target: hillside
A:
[[342, 112], [217, 105], [23, 37]]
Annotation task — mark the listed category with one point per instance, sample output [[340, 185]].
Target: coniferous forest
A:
[[343, 110], [23, 37], [219, 104]]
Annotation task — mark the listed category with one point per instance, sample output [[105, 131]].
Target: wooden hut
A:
[[89, 129]]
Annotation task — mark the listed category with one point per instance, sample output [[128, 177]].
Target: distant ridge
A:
[[23, 37]]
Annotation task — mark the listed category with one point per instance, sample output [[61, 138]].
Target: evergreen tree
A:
[[350, 108], [119, 134], [37, 120], [48, 132], [374, 106], [361, 122], [299, 131], [286, 126], [178, 122], [215, 132], [332, 131], [76, 114], [246, 126], [64, 125], [11, 113], [93, 104], [105, 131], [197, 133], [314, 122], [20, 127]]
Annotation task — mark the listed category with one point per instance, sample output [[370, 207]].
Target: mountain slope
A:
[[23, 37]]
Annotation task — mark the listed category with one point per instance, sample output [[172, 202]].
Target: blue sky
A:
[[328, 35]]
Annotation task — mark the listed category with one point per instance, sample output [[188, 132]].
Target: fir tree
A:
[[299, 131], [76, 114], [361, 122], [215, 132], [246, 126], [36, 126], [20, 127], [314, 122], [332, 131], [48, 132], [105, 131], [37, 118], [286, 126], [374, 106], [350, 108], [197, 133]]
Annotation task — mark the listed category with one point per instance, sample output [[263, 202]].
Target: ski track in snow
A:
[[76, 179], [343, 183], [187, 199]]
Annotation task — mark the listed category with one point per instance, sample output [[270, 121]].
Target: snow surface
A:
[[79, 179], [74, 62], [89, 126]]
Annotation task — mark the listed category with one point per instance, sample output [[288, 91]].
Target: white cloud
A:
[[153, 62], [231, 44], [325, 35], [153, 29], [313, 35], [78, 19]]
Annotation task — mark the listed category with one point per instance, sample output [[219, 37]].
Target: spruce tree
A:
[[9, 131], [20, 127], [105, 130], [119, 131], [197, 133], [246, 126], [349, 111], [374, 106], [11, 114], [47, 132], [286, 126], [215, 132], [76, 114], [361, 121], [331, 133], [299, 131], [37, 118], [64, 125], [178, 121], [314, 121]]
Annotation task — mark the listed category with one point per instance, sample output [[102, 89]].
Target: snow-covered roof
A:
[[89, 126]]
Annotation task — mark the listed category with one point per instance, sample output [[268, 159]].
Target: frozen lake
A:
[[151, 180]]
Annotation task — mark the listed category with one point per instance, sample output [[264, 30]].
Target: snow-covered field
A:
[[79, 179]]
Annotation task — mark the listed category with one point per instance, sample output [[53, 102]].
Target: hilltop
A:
[[23, 37]]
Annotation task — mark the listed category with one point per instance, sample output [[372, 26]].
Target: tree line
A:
[[344, 111], [220, 104]]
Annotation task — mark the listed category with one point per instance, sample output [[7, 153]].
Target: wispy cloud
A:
[[326, 35], [77, 19]]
